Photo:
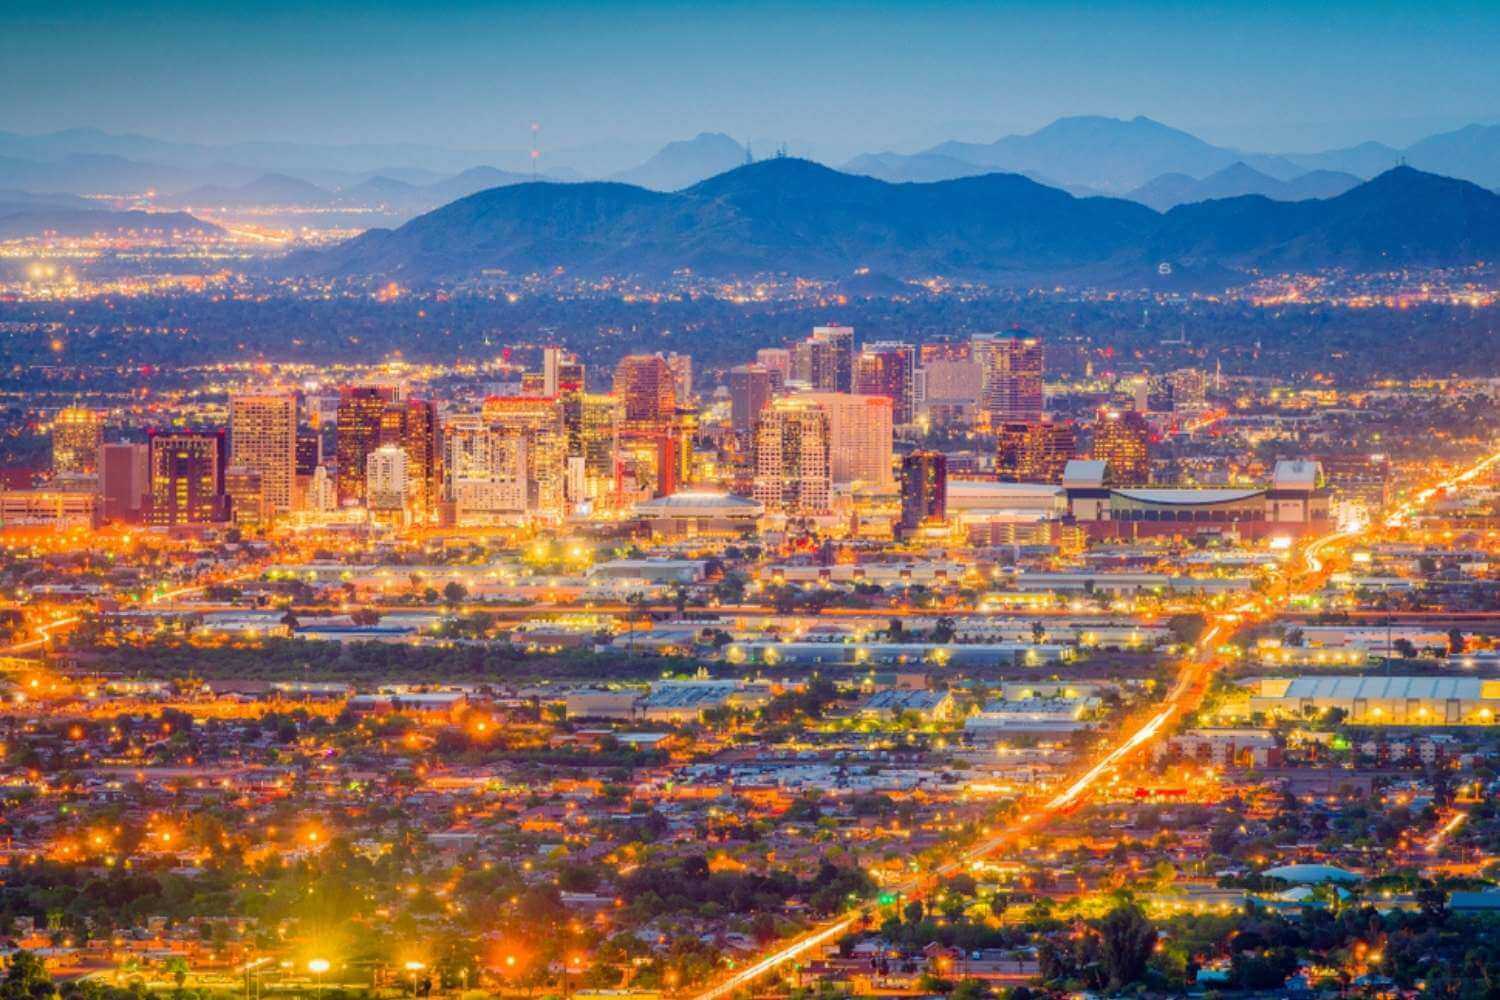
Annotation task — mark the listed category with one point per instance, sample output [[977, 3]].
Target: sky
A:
[[830, 79]]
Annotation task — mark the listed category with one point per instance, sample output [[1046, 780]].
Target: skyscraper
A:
[[125, 481], [840, 359], [1034, 451], [1123, 441], [777, 361], [77, 433], [387, 490], [263, 437], [681, 367], [419, 439], [888, 369], [750, 390], [187, 478], [646, 389], [860, 436], [792, 471], [924, 488], [1013, 366], [360, 415], [532, 427]]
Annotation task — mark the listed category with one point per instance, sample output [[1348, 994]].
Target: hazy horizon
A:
[[614, 81]]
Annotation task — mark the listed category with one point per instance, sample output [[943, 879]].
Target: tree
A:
[[26, 979], [1126, 940], [454, 593], [1455, 642]]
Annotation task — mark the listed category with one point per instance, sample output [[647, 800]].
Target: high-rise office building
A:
[[125, 481], [924, 489], [1034, 451], [792, 469], [263, 437], [361, 412], [750, 389], [646, 389], [777, 361], [860, 434], [187, 478], [681, 367], [419, 439], [387, 487], [532, 427], [1122, 440], [888, 369], [77, 434], [246, 493], [1012, 365], [825, 360]]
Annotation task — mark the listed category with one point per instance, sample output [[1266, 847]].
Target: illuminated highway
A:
[[1186, 694]]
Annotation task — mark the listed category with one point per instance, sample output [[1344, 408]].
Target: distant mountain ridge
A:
[[795, 216], [1171, 190]]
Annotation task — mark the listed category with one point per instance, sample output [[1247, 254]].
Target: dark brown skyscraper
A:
[[187, 478], [750, 388], [924, 489], [645, 387], [360, 416]]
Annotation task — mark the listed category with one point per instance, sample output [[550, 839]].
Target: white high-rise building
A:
[[792, 472], [860, 436], [263, 439], [387, 483]]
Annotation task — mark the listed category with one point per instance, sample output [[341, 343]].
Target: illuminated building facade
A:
[[361, 413], [646, 389], [1012, 367], [77, 435], [924, 489], [888, 369], [860, 435], [187, 479], [793, 474], [263, 438], [1122, 440], [1034, 451]]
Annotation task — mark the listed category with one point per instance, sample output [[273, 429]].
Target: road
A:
[[1185, 695]]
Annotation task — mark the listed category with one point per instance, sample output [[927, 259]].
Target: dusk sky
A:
[[831, 78]]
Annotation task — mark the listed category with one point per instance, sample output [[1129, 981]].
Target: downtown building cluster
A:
[[825, 434]]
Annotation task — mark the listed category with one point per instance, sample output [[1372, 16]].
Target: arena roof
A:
[[1188, 497]]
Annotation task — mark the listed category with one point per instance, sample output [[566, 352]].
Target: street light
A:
[[317, 967], [412, 969]]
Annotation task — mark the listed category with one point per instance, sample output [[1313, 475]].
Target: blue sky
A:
[[833, 78]]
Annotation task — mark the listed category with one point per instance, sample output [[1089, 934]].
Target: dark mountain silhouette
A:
[[1170, 190], [780, 214], [795, 216], [1404, 217], [680, 164]]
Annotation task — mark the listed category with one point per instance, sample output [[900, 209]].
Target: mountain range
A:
[[1083, 155], [795, 216]]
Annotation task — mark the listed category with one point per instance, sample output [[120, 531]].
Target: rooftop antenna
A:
[[536, 152]]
